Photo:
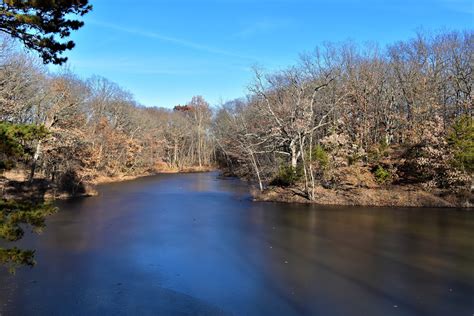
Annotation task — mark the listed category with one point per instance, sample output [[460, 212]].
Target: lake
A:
[[195, 244]]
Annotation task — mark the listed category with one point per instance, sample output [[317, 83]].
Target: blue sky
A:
[[164, 52]]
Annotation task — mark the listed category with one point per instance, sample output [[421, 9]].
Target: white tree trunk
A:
[[257, 171], [35, 160], [294, 154]]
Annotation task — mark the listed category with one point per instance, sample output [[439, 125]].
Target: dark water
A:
[[196, 245]]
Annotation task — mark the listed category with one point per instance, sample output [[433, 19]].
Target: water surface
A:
[[194, 244]]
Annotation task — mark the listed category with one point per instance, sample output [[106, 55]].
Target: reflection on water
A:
[[195, 244]]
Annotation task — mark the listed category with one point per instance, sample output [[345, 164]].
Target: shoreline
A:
[[91, 187], [122, 178], [395, 196], [16, 187]]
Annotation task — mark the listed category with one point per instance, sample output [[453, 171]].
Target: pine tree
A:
[[461, 140], [43, 25], [13, 147]]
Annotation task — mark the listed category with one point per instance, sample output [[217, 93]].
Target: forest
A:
[[348, 116], [343, 115], [93, 128]]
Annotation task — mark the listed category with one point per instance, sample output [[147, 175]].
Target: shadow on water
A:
[[195, 244]]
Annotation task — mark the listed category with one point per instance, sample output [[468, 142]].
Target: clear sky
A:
[[166, 51]]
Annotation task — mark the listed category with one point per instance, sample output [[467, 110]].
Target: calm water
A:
[[196, 245]]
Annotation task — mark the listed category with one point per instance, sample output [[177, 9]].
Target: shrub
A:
[[321, 156], [381, 175], [352, 159], [383, 145], [379, 152], [287, 175]]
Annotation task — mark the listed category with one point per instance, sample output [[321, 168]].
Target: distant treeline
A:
[[95, 128], [347, 115]]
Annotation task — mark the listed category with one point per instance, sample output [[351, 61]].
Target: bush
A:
[[352, 159], [321, 156], [287, 175], [381, 175], [379, 152], [383, 146]]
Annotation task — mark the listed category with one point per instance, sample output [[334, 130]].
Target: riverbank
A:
[[120, 178], [14, 185], [393, 196]]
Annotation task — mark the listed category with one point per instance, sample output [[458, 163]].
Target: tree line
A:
[[402, 114], [96, 128]]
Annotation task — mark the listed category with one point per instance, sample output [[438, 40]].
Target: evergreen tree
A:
[[13, 148], [43, 25], [461, 140]]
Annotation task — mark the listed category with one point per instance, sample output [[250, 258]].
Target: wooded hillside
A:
[[359, 116]]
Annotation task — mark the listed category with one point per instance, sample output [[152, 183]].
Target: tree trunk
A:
[[294, 155], [199, 149], [35, 160], [175, 154], [257, 171]]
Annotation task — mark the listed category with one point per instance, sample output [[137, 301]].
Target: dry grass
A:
[[394, 196]]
